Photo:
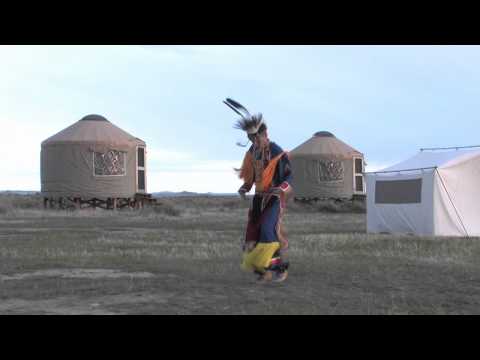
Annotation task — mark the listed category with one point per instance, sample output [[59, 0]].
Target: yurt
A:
[[93, 162], [326, 167], [435, 193]]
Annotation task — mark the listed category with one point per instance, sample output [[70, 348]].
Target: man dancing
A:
[[267, 166]]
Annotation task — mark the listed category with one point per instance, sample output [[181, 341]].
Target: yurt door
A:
[[141, 166]]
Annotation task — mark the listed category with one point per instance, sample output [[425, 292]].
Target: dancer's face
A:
[[260, 139]]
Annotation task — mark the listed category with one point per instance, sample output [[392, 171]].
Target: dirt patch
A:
[[63, 306], [68, 305], [77, 274], [8, 221]]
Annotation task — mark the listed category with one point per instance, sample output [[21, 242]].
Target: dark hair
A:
[[262, 129], [251, 122]]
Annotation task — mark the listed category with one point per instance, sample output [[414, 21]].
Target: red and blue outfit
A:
[[270, 170]]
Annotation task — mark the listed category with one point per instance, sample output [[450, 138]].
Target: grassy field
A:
[[183, 258]]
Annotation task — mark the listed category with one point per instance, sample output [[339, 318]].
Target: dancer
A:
[[266, 166]]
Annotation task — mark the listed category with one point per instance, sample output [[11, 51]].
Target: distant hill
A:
[[19, 192]]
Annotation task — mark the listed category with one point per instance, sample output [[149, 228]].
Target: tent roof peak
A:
[[93, 117], [323, 134]]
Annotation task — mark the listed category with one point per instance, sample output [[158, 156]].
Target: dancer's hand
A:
[[276, 191], [248, 246], [242, 194]]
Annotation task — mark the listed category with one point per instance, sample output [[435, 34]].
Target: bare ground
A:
[[183, 258]]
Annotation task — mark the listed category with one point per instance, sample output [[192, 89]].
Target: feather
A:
[[238, 143], [248, 124], [231, 107], [239, 107]]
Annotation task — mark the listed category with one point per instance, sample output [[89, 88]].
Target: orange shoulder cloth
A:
[[246, 171], [270, 171]]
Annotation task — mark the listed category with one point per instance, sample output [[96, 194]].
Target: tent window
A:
[[324, 171], [110, 163], [398, 191]]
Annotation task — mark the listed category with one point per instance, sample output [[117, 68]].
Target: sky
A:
[[385, 101]]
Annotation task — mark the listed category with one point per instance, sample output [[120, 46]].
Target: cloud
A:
[[170, 96], [373, 166], [20, 160], [167, 169], [167, 156], [193, 180], [171, 170]]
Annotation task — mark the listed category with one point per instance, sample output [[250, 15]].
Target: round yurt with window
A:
[[325, 167], [93, 163]]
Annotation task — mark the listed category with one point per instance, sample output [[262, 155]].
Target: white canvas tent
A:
[[433, 193]]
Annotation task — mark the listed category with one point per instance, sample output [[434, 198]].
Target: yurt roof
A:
[[94, 129], [327, 144]]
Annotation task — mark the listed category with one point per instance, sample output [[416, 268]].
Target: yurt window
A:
[[110, 163], [358, 166], [141, 157], [141, 169], [318, 171], [141, 180], [358, 170], [330, 170]]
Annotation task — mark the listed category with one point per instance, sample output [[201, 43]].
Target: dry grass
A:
[[329, 206], [187, 252]]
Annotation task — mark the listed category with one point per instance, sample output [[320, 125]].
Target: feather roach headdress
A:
[[248, 123]]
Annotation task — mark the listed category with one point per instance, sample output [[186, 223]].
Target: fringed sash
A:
[[247, 171]]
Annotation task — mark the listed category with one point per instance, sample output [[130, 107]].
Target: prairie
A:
[[183, 256]]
